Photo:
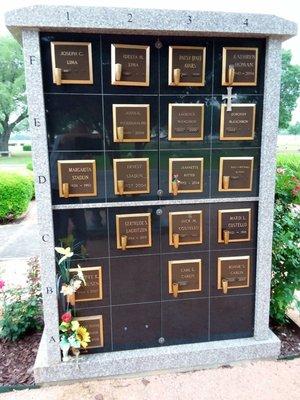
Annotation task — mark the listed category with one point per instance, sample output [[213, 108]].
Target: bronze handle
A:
[[231, 73], [65, 190], [175, 188], [225, 182], [175, 288], [57, 76], [176, 240], [120, 186], [120, 133], [118, 72], [176, 76], [226, 235], [225, 285], [123, 242]]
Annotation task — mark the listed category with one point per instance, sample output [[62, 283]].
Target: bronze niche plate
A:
[[136, 228], [239, 170], [93, 289], [134, 172], [237, 222], [244, 61], [94, 324], [135, 121], [134, 63], [236, 270], [188, 225], [79, 176], [239, 123], [188, 172], [75, 61], [187, 273], [186, 122], [190, 61]]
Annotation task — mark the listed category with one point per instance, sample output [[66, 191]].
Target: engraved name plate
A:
[[236, 174], [187, 66], [93, 288], [131, 122], [186, 122], [72, 63], [237, 224], [133, 231], [77, 178], [186, 274], [187, 173], [94, 324], [235, 270], [131, 176], [239, 123], [130, 65], [187, 225], [244, 61]]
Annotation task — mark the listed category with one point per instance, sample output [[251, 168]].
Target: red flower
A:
[[2, 283], [66, 317]]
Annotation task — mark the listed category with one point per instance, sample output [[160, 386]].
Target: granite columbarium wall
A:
[[154, 143]]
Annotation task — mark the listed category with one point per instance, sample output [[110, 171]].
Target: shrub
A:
[[27, 147], [286, 240], [16, 191], [22, 308]]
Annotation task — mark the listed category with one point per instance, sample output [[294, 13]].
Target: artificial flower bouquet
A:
[[73, 336]]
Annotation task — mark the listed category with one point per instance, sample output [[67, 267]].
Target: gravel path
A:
[[261, 380]]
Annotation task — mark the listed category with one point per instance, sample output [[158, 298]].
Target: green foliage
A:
[[291, 161], [13, 108], [286, 239], [27, 147], [294, 129], [22, 308], [16, 191], [290, 89], [29, 166]]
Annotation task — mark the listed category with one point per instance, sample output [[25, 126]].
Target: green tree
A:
[[13, 109], [290, 89], [294, 129]]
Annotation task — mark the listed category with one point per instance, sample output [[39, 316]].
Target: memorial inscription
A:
[[187, 66], [184, 276], [131, 176], [186, 122], [236, 174], [77, 178], [92, 290], [239, 123], [185, 175], [130, 65], [233, 272], [234, 225], [239, 66], [133, 231], [185, 227], [72, 63], [131, 122], [94, 324]]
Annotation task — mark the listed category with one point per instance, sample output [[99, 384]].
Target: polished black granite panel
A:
[[152, 101], [185, 321], [231, 317], [85, 231], [49, 86], [74, 122]]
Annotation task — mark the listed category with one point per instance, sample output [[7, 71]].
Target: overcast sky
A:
[[289, 9]]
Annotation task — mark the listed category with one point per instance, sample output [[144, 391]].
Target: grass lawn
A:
[[22, 158]]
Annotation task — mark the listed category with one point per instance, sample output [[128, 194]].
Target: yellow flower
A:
[[83, 336], [74, 325], [66, 253]]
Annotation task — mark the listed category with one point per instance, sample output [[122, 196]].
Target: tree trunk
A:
[[4, 138]]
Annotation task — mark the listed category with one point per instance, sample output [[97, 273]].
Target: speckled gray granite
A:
[[179, 358], [29, 21], [124, 20]]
